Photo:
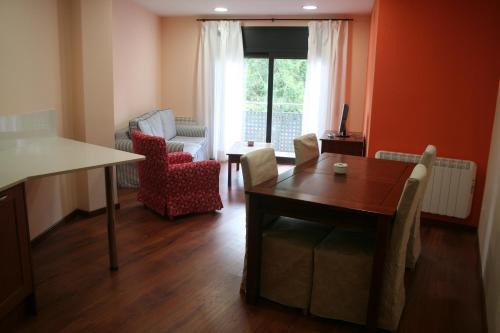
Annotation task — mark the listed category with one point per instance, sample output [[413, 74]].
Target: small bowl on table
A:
[[340, 168]]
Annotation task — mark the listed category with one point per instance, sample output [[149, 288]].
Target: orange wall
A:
[[435, 74], [136, 61]]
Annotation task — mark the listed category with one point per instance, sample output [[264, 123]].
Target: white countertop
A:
[[27, 158]]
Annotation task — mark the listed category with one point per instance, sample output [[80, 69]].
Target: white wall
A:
[[489, 229]]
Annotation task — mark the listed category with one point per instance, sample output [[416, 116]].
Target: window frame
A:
[[272, 55]]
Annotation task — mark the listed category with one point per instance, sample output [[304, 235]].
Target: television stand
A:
[[352, 144]]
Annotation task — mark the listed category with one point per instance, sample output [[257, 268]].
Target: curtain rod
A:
[[275, 19]]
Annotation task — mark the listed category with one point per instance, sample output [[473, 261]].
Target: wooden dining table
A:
[[368, 193]]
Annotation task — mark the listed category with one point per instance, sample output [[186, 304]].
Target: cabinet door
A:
[[16, 281]]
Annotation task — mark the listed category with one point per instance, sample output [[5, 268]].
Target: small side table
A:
[[352, 145], [237, 150]]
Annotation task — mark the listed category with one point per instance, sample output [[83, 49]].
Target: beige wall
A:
[[85, 28], [29, 58], [97, 83], [97, 66], [136, 61], [181, 35], [489, 229], [60, 58], [180, 38], [30, 80], [356, 91]]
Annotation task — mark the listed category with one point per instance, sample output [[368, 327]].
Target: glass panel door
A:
[[288, 102], [257, 76], [274, 101]]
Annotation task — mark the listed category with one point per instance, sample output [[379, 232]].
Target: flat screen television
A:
[[342, 128]]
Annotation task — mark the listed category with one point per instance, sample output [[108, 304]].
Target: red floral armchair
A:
[[171, 183]]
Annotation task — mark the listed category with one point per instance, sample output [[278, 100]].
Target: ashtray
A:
[[340, 168]]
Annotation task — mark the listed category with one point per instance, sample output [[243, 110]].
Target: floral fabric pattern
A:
[[170, 183], [176, 158]]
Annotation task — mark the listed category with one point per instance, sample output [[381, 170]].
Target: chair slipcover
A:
[[287, 244], [287, 260], [170, 183], [306, 148], [343, 265], [414, 242]]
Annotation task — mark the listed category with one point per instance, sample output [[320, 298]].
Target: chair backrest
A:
[[427, 159], [258, 166], [151, 171], [306, 148], [405, 215]]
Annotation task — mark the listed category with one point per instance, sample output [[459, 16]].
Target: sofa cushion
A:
[[168, 122], [151, 125], [192, 144], [192, 148], [133, 124]]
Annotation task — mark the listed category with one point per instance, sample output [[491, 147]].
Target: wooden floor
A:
[[184, 276]]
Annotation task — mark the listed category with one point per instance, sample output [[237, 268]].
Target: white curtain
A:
[[325, 90], [221, 84]]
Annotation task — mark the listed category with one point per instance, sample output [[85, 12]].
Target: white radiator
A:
[[451, 187]]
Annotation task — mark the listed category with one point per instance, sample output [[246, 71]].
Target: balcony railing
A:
[[286, 123]]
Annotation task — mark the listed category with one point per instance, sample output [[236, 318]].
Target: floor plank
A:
[[184, 276]]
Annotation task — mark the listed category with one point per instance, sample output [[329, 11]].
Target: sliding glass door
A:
[[289, 77], [274, 100], [256, 93]]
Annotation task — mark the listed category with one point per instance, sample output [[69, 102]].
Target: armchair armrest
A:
[[124, 145], [174, 146], [122, 134], [191, 177], [188, 127], [179, 157], [192, 130]]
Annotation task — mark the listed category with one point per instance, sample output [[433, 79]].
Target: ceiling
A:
[[255, 7]]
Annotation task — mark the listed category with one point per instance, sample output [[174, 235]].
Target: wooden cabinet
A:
[[16, 277], [352, 145]]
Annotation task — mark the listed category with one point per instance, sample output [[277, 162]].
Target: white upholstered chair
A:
[[306, 148], [414, 242], [343, 262], [287, 244]]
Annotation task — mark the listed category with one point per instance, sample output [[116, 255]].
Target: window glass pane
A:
[[288, 102], [255, 118]]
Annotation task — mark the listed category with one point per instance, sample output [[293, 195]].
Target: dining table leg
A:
[[110, 209], [382, 243], [254, 242]]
